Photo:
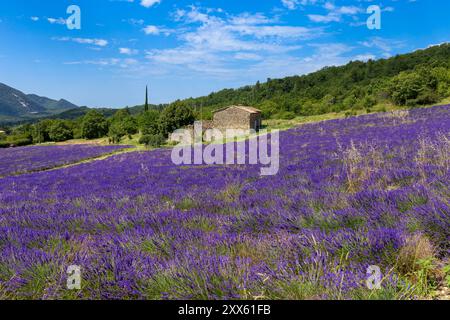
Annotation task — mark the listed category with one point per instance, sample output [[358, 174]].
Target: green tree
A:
[[116, 132], [413, 88], [148, 122], [60, 131], [268, 108], [41, 131], [146, 99], [122, 124], [77, 128], [175, 116], [94, 125]]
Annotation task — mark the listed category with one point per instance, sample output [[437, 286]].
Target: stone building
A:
[[231, 120], [237, 117]]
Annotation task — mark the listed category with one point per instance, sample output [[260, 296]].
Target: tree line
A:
[[153, 125]]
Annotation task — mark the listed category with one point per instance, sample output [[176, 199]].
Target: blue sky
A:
[[190, 48]]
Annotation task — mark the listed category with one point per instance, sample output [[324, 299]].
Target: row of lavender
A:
[[36, 158], [350, 193]]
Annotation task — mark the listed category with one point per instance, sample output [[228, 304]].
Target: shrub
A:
[[287, 115], [4, 144], [152, 140]]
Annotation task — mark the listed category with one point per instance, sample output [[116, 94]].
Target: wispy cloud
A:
[[294, 4], [149, 3], [95, 42], [385, 46], [56, 20], [128, 51], [135, 22], [155, 30], [335, 13], [111, 62], [214, 40]]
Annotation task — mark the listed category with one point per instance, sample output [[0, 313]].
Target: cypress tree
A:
[[146, 99]]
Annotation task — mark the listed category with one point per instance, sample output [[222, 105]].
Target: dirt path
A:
[[99, 158]]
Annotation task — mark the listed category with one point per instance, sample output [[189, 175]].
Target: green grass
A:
[[160, 285], [447, 275]]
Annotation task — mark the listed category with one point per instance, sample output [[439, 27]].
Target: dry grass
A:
[[360, 163], [436, 152], [416, 248], [398, 117]]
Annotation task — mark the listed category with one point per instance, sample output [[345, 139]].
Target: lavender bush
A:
[[350, 193], [36, 158]]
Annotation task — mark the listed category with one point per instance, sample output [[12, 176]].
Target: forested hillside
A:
[[418, 78]]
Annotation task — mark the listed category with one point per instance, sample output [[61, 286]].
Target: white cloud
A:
[[128, 51], [213, 41], [149, 3], [56, 20], [135, 22], [324, 18], [276, 31], [335, 13], [250, 19], [294, 4], [247, 56], [95, 42], [151, 30], [155, 30], [34, 19], [290, 4], [112, 62]]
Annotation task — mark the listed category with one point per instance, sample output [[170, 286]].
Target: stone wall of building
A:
[[232, 118], [235, 121]]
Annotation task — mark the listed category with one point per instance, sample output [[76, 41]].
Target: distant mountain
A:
[[50, 104], [18, 106], [15, 103]]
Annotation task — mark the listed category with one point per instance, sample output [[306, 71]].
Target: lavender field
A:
[[369, 190], [30, 159]]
